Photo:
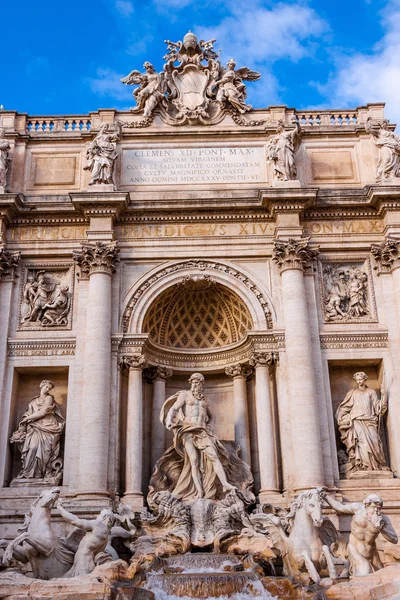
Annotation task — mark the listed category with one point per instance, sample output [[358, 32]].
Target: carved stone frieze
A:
[[97, 257], [195, 265], [294, 254], [346, 292], [46, 297], [41, 348], [269, 359], [387, 255], [196, 90], [135, 361], [338, 341], [8, 263], [239, 370]]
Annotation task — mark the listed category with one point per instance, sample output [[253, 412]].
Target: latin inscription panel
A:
[[175, 166]]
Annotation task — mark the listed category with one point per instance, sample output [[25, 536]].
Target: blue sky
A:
[[68, 57]]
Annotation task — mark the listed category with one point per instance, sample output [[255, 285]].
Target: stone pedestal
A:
[[97, 262]]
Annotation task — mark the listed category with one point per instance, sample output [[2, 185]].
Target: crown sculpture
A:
[[196, 90]]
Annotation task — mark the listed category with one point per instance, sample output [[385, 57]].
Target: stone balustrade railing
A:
[[79, 124]]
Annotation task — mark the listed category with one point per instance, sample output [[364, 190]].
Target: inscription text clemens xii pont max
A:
[[160, 166]]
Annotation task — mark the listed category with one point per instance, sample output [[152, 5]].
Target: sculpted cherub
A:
[[151, 90], [230, 87]]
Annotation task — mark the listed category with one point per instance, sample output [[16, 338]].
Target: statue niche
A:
[[198, 464], [38, 440]]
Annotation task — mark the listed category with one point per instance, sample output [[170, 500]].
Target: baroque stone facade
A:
[[256, 247]]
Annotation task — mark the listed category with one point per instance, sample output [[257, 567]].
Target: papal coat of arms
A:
[[193, 87]]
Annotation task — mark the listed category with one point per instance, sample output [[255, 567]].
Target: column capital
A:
[[239, 370], [264, 359], [153, 373], [387, 255], [97, 257], [134, 361], [8, 263], [294, 254]]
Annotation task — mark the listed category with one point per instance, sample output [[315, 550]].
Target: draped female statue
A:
[[358, 418], [38, 437]]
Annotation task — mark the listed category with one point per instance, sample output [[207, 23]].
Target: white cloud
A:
[[257, 37], [374, 77], [124, 7], [107, 83]]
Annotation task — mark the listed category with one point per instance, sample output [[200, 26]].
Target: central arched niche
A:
[[197, 313]]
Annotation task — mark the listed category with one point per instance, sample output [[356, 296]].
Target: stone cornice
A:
[[10, 204], [100, 204], [53, 347], [284, 200], [294, 254], [337, 341]]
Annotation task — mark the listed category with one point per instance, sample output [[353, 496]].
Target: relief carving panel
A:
[[46, 298], [347, 292]]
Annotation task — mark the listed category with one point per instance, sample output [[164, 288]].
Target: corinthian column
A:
[[239, 374], [158, 376], [262, 362], [96, 261], [387, 257], [293, 258], [134, 430]]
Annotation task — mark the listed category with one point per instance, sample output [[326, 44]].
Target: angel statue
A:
[[151, 90], [231, 88]]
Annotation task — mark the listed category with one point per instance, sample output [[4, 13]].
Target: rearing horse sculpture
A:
[[307, 546], [48, 555]]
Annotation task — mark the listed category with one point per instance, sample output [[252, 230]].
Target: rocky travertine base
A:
[[382, 585], [107, 582]]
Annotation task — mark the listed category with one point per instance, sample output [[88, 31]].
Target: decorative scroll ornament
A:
[[294, 254], [97, 257], [8, 262], [191, 92], [239, 370], [387, 255]]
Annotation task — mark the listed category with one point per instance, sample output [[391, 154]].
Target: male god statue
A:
[[198, 464]]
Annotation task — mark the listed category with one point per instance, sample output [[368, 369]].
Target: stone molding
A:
[[135, 361], [193, 265], [97, 257], [264, 359], [294, 254], [239, 370], [338, 341], [387, 255], [8, 263], [41, 348]]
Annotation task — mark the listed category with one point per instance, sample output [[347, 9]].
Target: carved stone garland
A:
[[201, 265], [97, 257]]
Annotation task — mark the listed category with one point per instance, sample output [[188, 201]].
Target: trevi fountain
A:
[[199, 345]]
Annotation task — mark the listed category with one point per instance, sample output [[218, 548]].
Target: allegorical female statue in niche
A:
[[198, 465], [101, 155], [358, 418], [38, 437]]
